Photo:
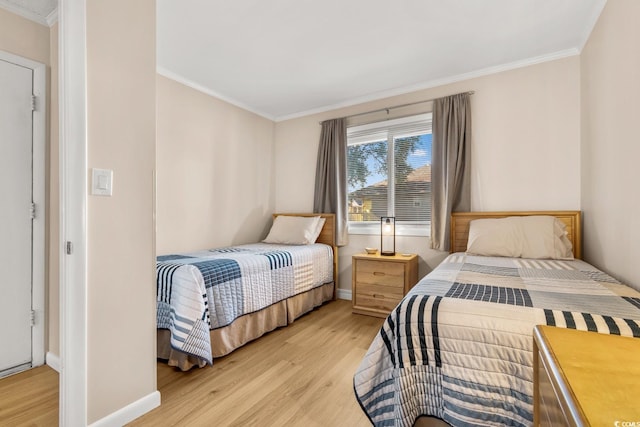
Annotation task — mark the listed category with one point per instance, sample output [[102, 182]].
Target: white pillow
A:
[[493, 237], [295, 230], [565, 247], [538, 237]]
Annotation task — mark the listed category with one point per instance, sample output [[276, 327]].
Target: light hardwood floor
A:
[[30, 398], [301, 375]]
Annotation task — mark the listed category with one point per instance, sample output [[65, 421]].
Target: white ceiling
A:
[[288, 58]]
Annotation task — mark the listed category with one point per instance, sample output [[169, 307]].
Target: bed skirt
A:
[[246, 328]]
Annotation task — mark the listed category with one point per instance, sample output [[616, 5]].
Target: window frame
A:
[[391, 129]]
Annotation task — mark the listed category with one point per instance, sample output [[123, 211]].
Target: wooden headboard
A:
[[460, 226], [327, 236]]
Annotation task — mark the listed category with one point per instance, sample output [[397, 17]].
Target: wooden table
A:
[[585, 378]]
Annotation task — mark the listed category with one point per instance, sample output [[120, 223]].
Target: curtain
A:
[[450, 165], [331, 176]]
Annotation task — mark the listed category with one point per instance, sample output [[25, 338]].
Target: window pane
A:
[[367, 180], [413, 178]]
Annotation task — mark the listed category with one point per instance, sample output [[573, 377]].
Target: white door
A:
[[16, 154]]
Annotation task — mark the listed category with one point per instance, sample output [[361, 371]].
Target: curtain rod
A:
[[387, 109]]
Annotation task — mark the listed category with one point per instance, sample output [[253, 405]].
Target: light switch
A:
[[102, 182]]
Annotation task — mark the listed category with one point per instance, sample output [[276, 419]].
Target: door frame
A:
[[73, 216], [38, 255]]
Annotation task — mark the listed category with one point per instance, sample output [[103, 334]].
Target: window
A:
[[389, 174]]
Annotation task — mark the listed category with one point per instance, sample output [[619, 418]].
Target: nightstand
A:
[[380, 282], [585, 378]]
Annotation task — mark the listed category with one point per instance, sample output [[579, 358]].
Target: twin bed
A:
[[212, 302], [459, 346]]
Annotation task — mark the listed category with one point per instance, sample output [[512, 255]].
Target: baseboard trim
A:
[[53, 361], [130, 412], [344, 294]]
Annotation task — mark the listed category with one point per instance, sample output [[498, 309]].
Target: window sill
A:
[[401, 230]]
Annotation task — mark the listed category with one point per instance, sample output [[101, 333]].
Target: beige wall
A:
[[23, 37], [526, 129], [610, 67], [525, 150], [121, 310], [215, 171]]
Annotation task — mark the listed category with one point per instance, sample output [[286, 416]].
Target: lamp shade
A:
[[387, 235]]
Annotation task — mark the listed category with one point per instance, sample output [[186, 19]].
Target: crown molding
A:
[[434, 83], [591, 24], [52, 18], [193, 85], [25, 13], [378, 95]]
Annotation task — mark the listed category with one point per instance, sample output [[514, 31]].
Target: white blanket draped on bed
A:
[[460, 345]]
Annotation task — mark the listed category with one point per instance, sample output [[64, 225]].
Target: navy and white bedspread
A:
[[460, 344], [206, 290]]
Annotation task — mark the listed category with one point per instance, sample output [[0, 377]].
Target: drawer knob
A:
[[378, 273], [378, 296]]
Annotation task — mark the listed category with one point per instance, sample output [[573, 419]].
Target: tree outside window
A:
[[389, 172]]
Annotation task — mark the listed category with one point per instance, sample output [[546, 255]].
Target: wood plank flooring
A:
[[301, 375], [30, 398]]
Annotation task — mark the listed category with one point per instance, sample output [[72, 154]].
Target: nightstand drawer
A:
[[380, 282], [380, 273], [377, 297]]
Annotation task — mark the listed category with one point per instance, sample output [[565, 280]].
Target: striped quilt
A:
[[206, 290], [460, 344]]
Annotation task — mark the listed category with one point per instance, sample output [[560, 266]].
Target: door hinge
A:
[[32, 210], [69, 248], [33, 318], [33, 102]]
